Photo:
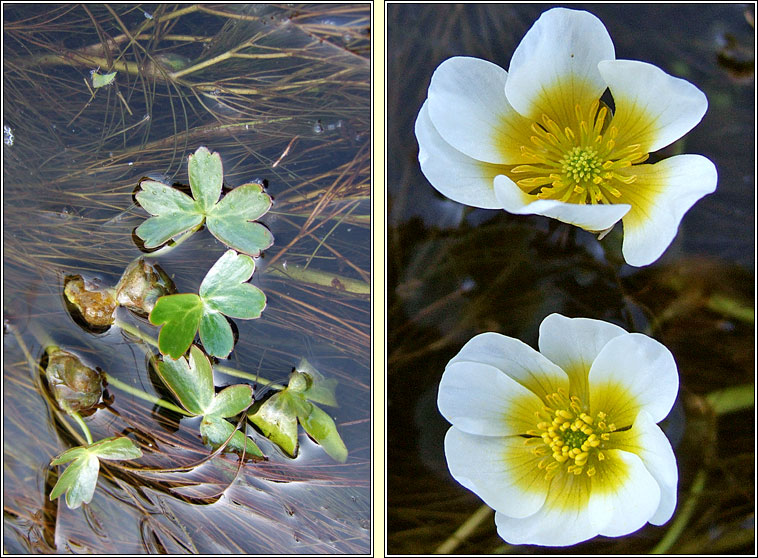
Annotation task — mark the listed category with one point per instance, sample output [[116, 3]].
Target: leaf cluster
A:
[[191, 382], [79, 479], [278, 416]]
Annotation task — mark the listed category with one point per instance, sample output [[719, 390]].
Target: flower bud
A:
[[96, 306], [141, 285]]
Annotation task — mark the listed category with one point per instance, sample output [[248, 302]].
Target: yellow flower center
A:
[[567, 437], [579, 162]]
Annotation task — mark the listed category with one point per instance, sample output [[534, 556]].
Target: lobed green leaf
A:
[[240, 234], [320, 426], [206, 176], [231, 401], [277, 420], [216, 334], [78, 481], [162, 228], [180, 316], [215, 430], [115, 449], [190, 381]]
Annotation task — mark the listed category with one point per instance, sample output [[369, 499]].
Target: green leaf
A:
[[206, 176], [115, 449], [69, 455], [318, 388], [231, 401], [225, 290], [78, 481], [215, 430], [190, 381], [276, 418], [180, 316], [230, 220], [216, 334], [101, 80], [320, 426]]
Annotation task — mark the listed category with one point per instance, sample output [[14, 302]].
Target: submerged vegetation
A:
[[102, 103]]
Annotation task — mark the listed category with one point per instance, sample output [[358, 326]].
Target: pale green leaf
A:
[[230, 268], [215, 430], [241, 235], [101, 80], [69, 455], [157, 198], [162, 228], [320, 426], [231, 401], [276, 418], [318, 388], [190, 381], [206, 176], [115, 448], [216, 334], [78, 481]]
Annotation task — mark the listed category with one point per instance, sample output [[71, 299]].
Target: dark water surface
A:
[[68, 181], [454, 272]]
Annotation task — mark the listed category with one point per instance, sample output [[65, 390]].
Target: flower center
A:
[[567, 437], [578, 163]]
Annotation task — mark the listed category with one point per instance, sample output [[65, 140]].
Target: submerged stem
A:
[[83, 425], [732, 399], [465, 530], [143, 395]]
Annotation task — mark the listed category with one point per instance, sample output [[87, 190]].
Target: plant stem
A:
[[82, 425], [246, 375], [463, 532], [683, 517], [129, 328], [732, 399], [146, 396], [317, 277]]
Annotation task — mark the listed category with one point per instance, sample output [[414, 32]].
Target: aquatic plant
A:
[[563, 443], [541, 138]]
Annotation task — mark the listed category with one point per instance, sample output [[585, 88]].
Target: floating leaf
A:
[[231, 401], [224, 291], [79, 479], [215, 430], [278, 416], [320, 426], [190, 381], [115, 449], [101, 80], [230, 220], [180, 315], [277, 420]]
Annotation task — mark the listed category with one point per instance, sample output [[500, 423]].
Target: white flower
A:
[[538, 140], [563, 443]]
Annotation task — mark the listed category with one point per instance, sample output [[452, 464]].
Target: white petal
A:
[[563, 520], [517, 359], [660, 197], [554, 68], [501, 471], [633, 372], [653, 108], [624, 494], [589, 217], [467, 106], [453, 174], [573, 344], [646, 440], [480, 399]]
